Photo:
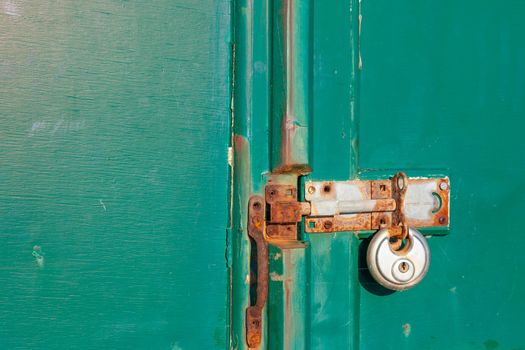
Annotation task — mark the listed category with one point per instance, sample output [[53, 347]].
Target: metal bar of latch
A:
[[365, 206], [256, 226], [361, 205]]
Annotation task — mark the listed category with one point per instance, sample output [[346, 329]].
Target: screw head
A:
[[311, 189], [443, 186]]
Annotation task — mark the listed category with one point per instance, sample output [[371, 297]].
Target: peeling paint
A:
[[407, 328]]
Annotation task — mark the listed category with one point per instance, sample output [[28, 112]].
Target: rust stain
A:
[[351, 222], [380, 220], [290, 161], [381, 189], [280, 193], [282, 232], [285, 212], [327, 190], [240, 144]]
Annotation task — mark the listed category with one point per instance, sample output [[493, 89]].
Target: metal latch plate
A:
[[361, 205]]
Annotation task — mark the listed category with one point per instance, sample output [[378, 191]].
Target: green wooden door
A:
[[121, 228], [443, 87], [374, 87], [114, 128]]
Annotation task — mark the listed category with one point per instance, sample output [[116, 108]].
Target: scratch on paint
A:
[[11, 9], [407, 329], [39, 257], [102, 204], [36, 127], [176, 347], [276, 277]]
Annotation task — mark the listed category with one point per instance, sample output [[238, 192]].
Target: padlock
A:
[[395, 265]]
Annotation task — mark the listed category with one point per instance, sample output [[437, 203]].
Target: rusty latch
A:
[[364, 205], [356, 205]]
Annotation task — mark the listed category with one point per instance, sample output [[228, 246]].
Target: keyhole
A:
[[403, 267]]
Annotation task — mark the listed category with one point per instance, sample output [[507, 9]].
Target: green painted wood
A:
[[114, 127], [443, 87], [313, 292], [441, 91], [333, 289]]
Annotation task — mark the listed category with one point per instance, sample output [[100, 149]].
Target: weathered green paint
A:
[[114, 180], [313, 292], [332, 295], [441, 93], [251, 106], [290, 39], [114, 126], [443, 87]]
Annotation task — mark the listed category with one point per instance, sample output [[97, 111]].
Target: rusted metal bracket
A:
[[285, 212], [256, 225]]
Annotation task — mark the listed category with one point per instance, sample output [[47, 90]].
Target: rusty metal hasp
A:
[[356, 205], [396, 207], [363, 205]]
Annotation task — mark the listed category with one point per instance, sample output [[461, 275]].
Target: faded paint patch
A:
[[176, 346], [407, 329], [102, 204], [11, 8], [60, 126], [276, 277], [39, 256], [37, 127], [230, 156]]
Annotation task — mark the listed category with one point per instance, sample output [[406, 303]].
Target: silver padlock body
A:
[[395, 270]]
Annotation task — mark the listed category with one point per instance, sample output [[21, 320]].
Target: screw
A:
[[442, 220], [311, 189], [443, 186], [327, 225]]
